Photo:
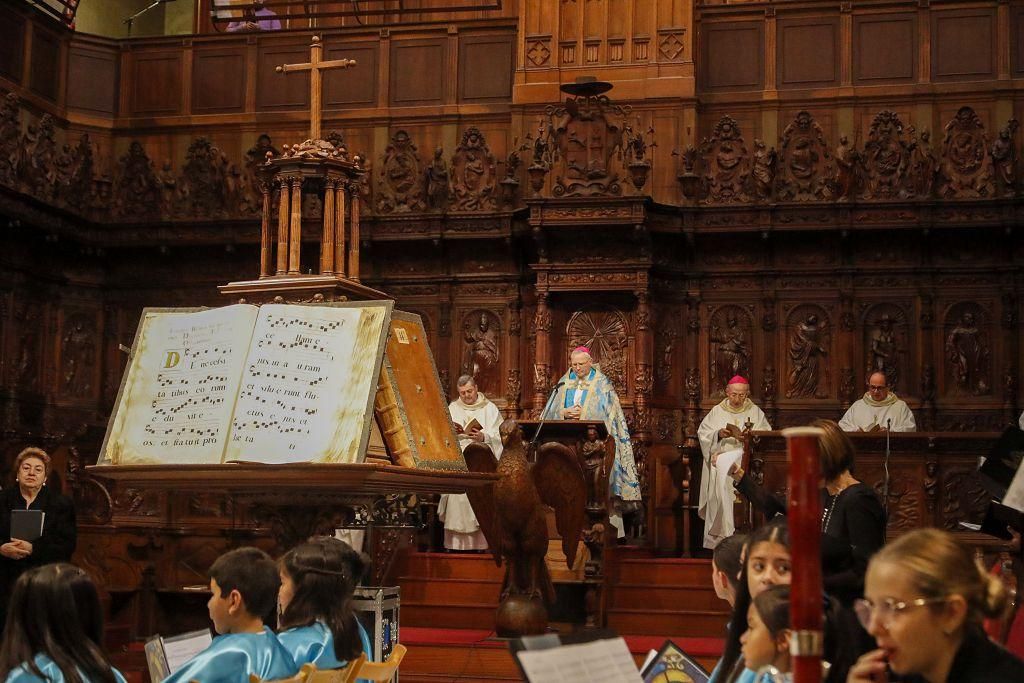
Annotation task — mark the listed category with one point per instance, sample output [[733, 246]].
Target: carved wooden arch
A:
[[807, 351], [606, 332], [967, 350], [887, 344]]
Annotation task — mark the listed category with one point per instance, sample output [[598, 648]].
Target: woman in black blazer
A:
[[60, 534]]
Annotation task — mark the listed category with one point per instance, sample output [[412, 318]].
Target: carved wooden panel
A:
[[156, 83], [485, 67], [92, 79], [45, 64], [605, 331], [274, 91], [887, 345], [808, 52], [884, 48], [218, 79], [356, 86], [1017, 40], [807, 348], [730, 346], [78, 348], [12, 45], [733, 55], [967, 343], [964, 44], [418, 71], [480, 350]]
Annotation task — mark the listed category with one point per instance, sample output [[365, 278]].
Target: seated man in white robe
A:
[[475, 419], [879, 410], [721, 448]]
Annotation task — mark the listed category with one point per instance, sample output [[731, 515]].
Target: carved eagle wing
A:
[[480, 458], [558, 477]]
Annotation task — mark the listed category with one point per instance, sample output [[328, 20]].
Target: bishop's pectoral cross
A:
[[314, 67]]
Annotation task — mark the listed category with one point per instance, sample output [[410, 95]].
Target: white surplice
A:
[[866, 413], [461, 529], [715, 505]]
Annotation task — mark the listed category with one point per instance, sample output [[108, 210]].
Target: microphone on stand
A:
[[547, 405], [885, 465]]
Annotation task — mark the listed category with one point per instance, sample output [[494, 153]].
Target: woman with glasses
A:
[[926, 597]]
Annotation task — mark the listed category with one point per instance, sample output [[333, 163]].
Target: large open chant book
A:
[[274, 384]]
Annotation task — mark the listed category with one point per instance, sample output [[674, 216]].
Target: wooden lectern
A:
[[596, 453]]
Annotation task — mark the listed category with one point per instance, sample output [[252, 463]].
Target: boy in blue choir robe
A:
[[244, 583]]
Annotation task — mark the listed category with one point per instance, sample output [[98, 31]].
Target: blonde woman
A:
[[926, 597]]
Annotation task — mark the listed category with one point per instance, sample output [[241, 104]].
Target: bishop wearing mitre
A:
[[477, 420], [719, 434], [879, 410]]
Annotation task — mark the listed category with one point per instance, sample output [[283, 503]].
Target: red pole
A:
[[804, 517]]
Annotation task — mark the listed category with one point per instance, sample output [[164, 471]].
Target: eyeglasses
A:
[[875, 387], [888, 609]]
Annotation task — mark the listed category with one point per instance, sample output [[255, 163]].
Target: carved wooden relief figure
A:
[[886, 159], [78, 355], [473, 174], [38, 162], [28, 318], [606, 333], [726, 164], [10, 138], [481, 355], [805, 164], [763, 172], [966, 163], [924, 166], [400, 184], [665, 342], [255, 156], [967, 351], [437, 181], [808, 357], [885, 342], [1004, 157], [138, 191], [730, 346]]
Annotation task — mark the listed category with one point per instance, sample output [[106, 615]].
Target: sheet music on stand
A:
[[544, 659]]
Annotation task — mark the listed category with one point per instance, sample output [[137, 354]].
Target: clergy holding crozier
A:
[[586, 393], [719, 434], [475, 419], [878, 410]]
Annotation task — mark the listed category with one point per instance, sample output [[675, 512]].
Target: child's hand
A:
[[870, 668]]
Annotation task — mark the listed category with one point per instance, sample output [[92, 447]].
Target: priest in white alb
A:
[[721, 449], [879, 410], [475, 419]]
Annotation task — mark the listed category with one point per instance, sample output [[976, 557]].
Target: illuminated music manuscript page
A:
[[307, 388], [182, 379]]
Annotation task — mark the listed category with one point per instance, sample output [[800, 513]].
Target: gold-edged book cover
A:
[[276, 383], [411, 408]]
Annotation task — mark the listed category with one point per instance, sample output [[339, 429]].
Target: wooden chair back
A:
[[310, 674], [383, 671], [299, 677]]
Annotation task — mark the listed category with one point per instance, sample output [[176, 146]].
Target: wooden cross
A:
[[314, 67]]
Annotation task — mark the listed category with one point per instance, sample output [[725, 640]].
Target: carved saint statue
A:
[[437, 180], [482, 353], [732, 353], [806, 353], [966, 351], [77, 350], [593, 452], [846, 169], [884, 351], [1004, 157], [924, 166], [764, 170]]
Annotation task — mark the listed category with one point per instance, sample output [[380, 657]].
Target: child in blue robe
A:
[[54, 630], [244, 583], [319, 625]]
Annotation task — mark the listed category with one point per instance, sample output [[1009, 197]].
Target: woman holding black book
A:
[[49, 537]]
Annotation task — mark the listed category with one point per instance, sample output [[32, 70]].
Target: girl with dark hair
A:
[[319, 625], [54, 630], [766, 640]]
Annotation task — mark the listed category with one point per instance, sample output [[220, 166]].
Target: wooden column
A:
[[295, 241], [327, 242], [339, 229], [266, 241], [541, 359], [644, 377], [353, 247], [282, 227]]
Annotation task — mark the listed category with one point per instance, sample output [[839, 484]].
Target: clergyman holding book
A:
[[476, 419], [719, 434]]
